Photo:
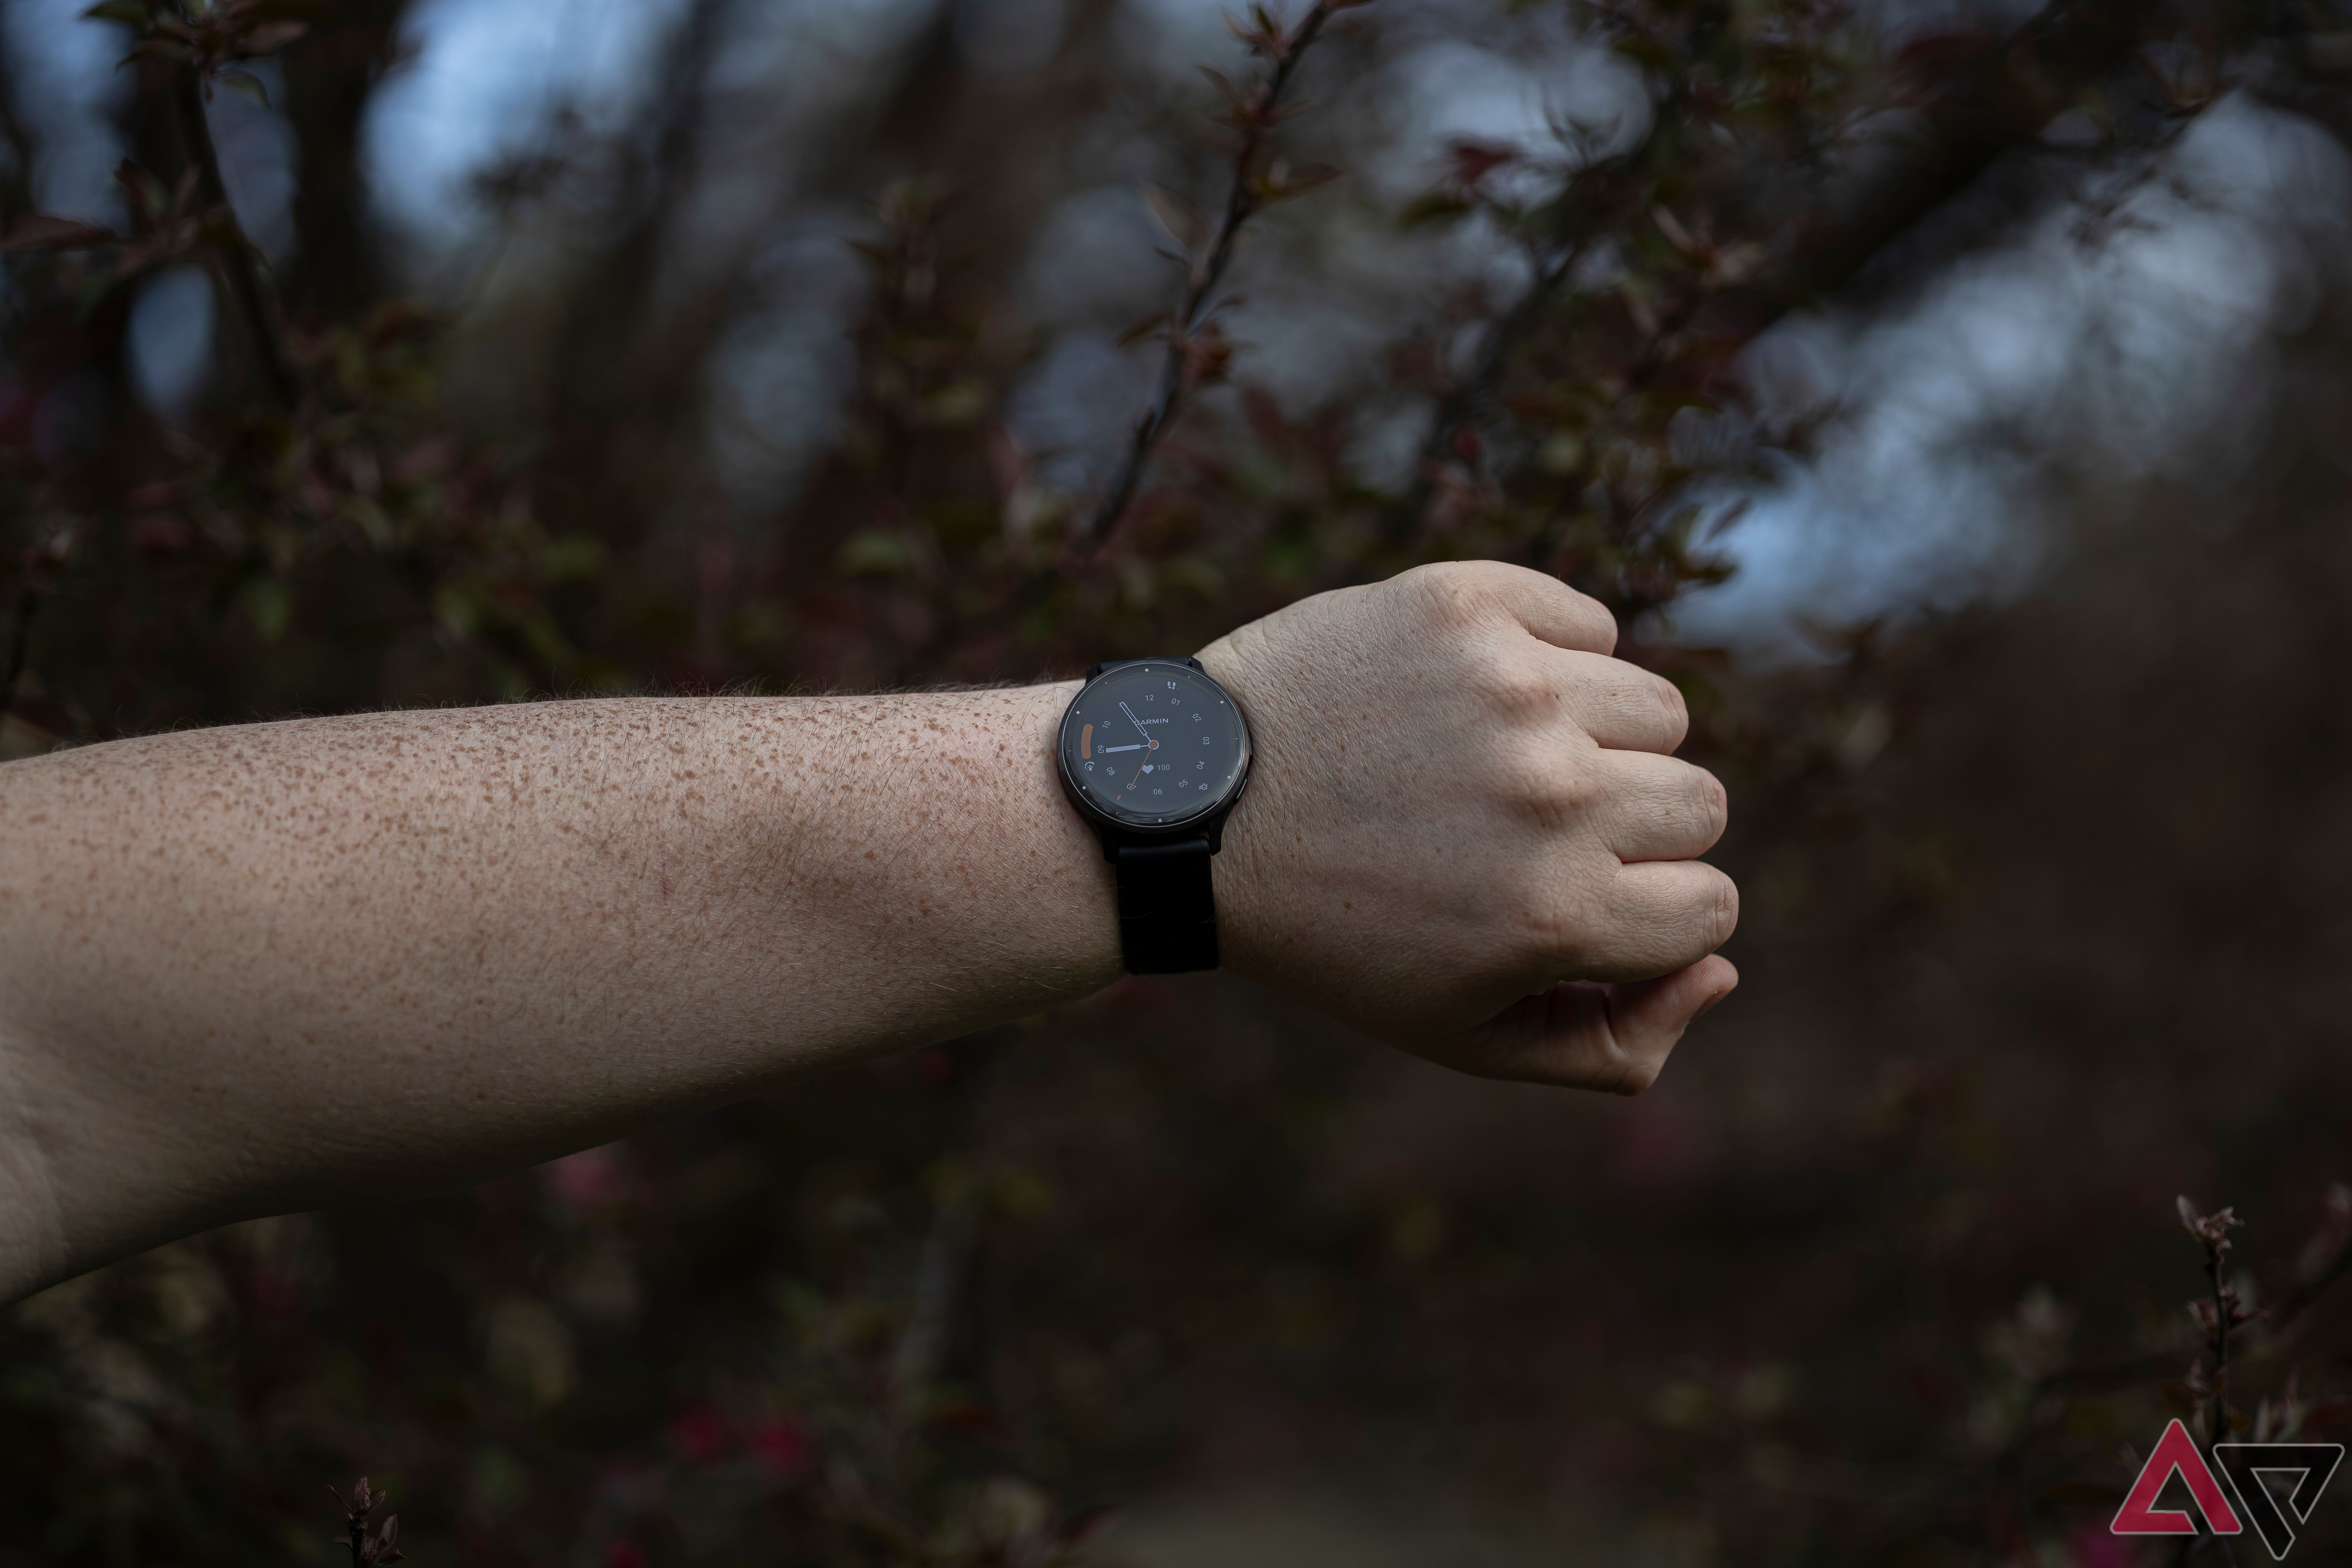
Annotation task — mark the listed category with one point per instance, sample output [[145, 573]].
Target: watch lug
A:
[[1187, 660]]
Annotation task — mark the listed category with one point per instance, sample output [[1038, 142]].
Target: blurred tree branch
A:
[[336, 267], [1977, 97], [1196, 350], [1987, 96], [239, 261], [2327, 1263]]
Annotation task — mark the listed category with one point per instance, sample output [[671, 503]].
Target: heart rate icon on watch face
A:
[[1147, 767]]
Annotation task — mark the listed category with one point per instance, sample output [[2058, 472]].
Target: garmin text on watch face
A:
[[1153, 745]]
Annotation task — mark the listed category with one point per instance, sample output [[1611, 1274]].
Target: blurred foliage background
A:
[[1953, 398]]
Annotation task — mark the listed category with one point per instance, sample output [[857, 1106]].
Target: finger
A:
[[1622, 706], [1548, 607], [1615, 1038], [1661, 915], [1657, 808]]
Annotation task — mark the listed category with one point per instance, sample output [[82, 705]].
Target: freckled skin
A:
[[253, 969], [265, 964]]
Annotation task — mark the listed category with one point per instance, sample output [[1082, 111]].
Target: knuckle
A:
[[1553, 790], [1714, 804], [1674, 708], [1555, 929], [1722, 914], [1601, 624], [1517, 688], [1447, 590]]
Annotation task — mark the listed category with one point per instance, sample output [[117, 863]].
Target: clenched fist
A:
[[1465, 832]]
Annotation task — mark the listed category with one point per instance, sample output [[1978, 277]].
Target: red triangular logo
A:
[[2176, 1450]]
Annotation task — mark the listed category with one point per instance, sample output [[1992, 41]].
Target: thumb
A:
[[1584, 1036]]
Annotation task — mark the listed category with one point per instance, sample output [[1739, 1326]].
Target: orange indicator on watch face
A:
[[1087, 742]]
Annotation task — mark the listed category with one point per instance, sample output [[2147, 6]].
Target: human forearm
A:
[[243, 968], [251, 969]]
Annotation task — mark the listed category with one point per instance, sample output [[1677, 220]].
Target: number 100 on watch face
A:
[[1153, 745]]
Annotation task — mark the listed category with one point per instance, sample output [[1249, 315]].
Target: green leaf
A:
[[872, 550], [459, 605], [371, 521], [129, 12], [575, 555], [269, 604], [956, 405], [554, 650], [1561, 453], [1185, 224], [1435, 208], [245, 82]]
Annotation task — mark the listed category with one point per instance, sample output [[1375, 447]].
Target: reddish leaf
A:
[[267, 39], [1150, 326], [1225, 85], [2326, 1416], [46, 231], [1184, 224], [1474, 161]]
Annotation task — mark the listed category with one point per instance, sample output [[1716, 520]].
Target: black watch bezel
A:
[[1209, 821]]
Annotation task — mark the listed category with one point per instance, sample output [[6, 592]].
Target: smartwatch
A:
[[1154, 754]]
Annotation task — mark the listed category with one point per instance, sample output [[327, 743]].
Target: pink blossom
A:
[[698, 1433], [781, 1446]]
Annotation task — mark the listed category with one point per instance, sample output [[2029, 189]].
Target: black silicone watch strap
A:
[[1167, 907]]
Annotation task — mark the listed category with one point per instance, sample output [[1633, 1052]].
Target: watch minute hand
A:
[[1149, 746]]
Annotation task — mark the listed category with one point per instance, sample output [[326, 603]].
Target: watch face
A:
[[1154, 745]]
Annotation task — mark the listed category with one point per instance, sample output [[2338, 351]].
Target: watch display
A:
[[1154, 745]]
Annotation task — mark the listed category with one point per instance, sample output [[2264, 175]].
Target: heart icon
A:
[[1147, 767]]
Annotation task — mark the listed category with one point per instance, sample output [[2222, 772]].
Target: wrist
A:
[[1027, 903], [1085, 927]]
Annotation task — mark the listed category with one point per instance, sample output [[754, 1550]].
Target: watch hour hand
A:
[[1109, 750]]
